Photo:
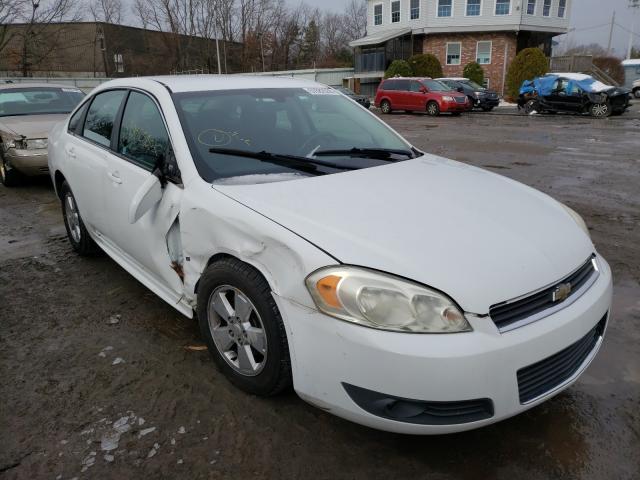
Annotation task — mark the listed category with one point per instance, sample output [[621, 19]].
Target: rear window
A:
[[38, 100]]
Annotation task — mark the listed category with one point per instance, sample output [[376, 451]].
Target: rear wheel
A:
[[242, 326], [636, 92], [385, 107], [79, 238], [9, 176], [600, 110], [433, 109]]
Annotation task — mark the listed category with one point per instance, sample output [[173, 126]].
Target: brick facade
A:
[[503, 49]]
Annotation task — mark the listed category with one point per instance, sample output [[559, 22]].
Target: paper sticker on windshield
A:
[[321, 91], [73, 90]]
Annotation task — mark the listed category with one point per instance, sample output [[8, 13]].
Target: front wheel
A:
[[636, 93], [600, 110], [77, 233], [433, 109], [385, 107], [241, 324], [531, 106], [9, 176]]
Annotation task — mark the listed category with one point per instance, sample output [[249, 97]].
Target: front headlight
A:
[[448, 98], [385, 302], [578, 219]]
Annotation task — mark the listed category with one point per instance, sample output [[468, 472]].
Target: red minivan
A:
[[420, 94]]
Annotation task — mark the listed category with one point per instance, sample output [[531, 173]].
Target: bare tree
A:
[[10, 12], [355, 19], [109, 11]]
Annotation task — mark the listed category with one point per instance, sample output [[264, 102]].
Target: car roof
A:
[[455, 79], [8, 86], [409, 78], [201, 83]]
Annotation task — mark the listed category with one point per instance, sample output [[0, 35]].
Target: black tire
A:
[[636, 92], [385, 107], [531, 106], [472, 102], [433, 109], [81, 241], [600, 110], [275, 375], [9, 177]]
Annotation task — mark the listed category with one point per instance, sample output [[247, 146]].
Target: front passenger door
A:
[[143, 142]]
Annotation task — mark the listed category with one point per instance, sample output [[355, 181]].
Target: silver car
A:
[[28, 112]]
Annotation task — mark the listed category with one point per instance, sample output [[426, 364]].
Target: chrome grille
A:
[[512, 314]]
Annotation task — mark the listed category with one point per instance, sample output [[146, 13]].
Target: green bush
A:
[[527, 65], [473, 71], [426, 65], [398, 68]]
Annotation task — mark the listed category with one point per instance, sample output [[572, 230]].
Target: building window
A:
[[119, 62], [531, 7], [562, 7], [473, 8], [415, 9], [485, 83], [503, 7], [483, 53], [377, 14], [454, 51], [546, 9], [395, 12], [444, 8]]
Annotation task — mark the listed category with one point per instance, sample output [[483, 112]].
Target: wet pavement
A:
[[101, 379]]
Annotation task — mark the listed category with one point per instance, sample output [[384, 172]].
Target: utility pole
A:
[[215, 32], [613, 22], [633, 4], [27, 38]]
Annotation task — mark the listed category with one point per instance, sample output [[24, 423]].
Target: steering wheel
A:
[[315, 141]]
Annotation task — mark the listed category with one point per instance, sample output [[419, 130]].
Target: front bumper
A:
[[448, 107], [28, 162], [485, 102], [328, 354]]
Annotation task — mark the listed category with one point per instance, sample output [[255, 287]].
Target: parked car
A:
[[636, 88], [28, 111], [419, 95], [361, 99], [572, 92], [318, 248], [479, 96]]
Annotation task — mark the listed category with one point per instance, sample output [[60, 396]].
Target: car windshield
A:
[[38, 100], [474, 85], [436, 86], [297, 122]]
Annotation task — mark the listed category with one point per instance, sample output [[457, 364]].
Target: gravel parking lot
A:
[[101, 379]]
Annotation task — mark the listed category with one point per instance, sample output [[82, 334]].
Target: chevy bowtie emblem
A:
[[561, 292]]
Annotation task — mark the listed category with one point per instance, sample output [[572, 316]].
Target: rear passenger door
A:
[[417, 99], [151, 245], [87, 150]]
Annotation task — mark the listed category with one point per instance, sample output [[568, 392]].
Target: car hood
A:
[[477, 236], [31, 126], [615, 91]]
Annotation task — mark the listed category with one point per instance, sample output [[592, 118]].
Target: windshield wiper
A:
[[376, 153], [304, 164]]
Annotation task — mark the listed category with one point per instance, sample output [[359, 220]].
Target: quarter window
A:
[[546, 8], [454, 51], [415, 9], [483, 53], [143, 136], [473, 8], [377, 14], [503, 7], [99, 124], [562, 7], [531, 7], [444, 8], [395, 12]]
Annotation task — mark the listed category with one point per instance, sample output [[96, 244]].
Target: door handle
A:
[[115, 177], [71, 152]]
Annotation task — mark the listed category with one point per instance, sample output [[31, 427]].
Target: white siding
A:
[[485, 21]]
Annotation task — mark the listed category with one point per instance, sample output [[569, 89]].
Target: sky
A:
[[584, 14]]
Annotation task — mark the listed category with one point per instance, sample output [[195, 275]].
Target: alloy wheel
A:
[[600, 110], [73, 218], [237, 330]]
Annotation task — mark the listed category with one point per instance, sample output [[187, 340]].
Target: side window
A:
[[415, 87], [74, 122], [403, 85], [143, 136], [101, 115], [390, 85]]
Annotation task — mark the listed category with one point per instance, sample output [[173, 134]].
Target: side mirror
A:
[[461, 90], [149, 194], [423, 89]]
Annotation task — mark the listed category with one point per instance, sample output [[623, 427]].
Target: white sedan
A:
[[319, 249]]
